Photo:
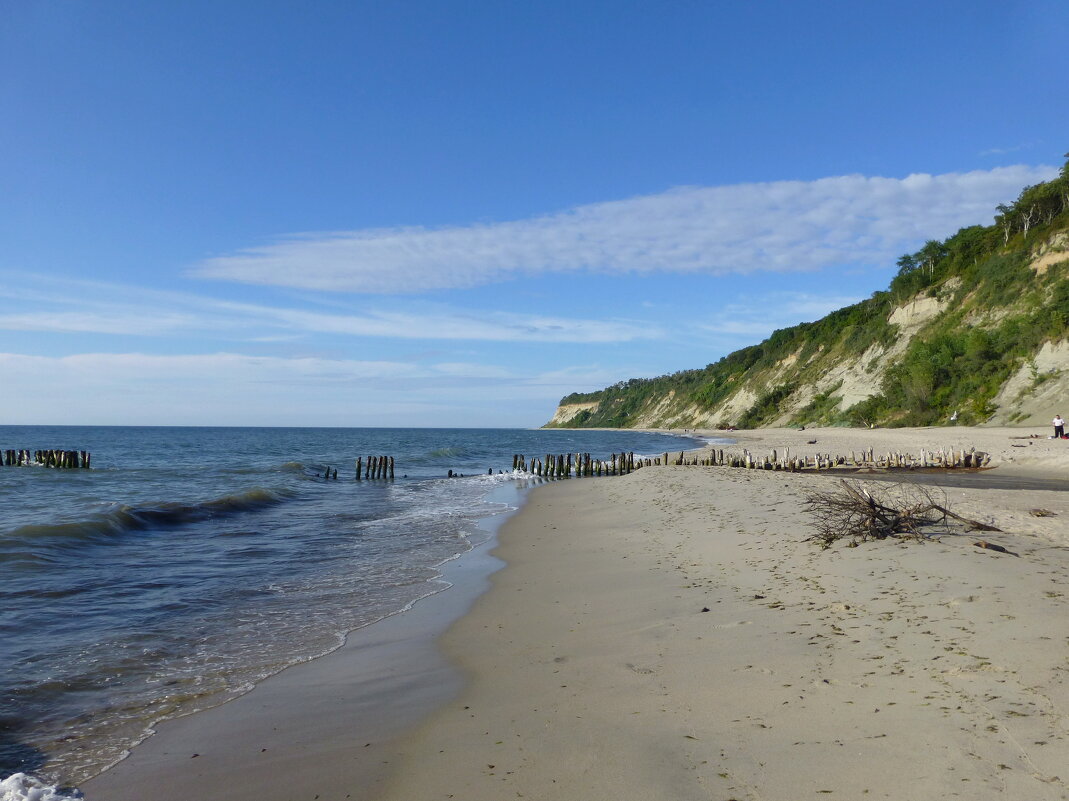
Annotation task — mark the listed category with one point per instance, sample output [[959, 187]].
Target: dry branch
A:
[[861, 513]]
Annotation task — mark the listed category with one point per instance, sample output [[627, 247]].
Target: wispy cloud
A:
[[238, 389], [437, 323], [1002, 151], [755, 317], [75, 306], [81, 322], [103, 368], [777, 226]]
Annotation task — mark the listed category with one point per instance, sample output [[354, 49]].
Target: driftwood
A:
[[859, 513], [990, 546]]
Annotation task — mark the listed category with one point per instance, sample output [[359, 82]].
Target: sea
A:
[[188, 564]]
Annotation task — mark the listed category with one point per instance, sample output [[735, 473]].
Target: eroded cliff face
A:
[[567, 413], [972, 329], [819, 384], [1038, 391], [848, 382]]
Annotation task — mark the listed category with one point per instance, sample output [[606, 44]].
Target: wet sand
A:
[[673, 634], [315, 730]]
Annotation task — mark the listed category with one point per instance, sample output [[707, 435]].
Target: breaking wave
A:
[[122, 519]]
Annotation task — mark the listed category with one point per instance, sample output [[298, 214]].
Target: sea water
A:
[[190, 563]]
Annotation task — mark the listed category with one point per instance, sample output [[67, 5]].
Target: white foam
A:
[[20, 787]]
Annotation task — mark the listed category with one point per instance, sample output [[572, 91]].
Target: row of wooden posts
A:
[[50, 458], [775, 460], [583, 464], [374, 468], [565, 466]]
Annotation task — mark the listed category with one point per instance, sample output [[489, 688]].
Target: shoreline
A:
[[670, 634], [326, 747], [316, 728]]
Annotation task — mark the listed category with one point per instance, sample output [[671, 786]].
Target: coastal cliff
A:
[[972, 330]]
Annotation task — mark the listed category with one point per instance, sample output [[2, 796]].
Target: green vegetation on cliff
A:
[[1001, 291]]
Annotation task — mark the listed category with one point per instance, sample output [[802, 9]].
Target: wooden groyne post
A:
[[376, 467], [867, 459], [61, 459], [565, 466], [568, 465]]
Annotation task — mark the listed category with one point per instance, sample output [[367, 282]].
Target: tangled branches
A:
[[861, 512]]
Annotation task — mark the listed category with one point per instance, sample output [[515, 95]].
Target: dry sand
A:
[[1017, 449], [672, 634]]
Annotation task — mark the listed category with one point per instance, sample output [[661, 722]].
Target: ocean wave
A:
[[451, 452], [20, 787], [121, 519], [248, 470]]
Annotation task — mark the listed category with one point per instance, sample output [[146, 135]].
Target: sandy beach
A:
[[674, 634]]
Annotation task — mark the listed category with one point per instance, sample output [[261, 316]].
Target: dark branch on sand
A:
[[860, 513]]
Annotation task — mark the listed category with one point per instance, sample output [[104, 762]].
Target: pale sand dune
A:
[[898, 671]]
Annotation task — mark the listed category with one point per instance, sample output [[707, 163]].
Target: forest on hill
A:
[[964, 321]]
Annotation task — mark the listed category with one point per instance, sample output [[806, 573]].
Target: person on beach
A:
[[1059, 426]]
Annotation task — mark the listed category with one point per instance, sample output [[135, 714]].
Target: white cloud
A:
[[1002, 151], [437, 323], [778, 226], [754, 318], [237, 389], [101, 369], [75, 306], [470, 370], [123, 323]]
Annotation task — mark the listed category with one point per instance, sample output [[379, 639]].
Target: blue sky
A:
[[436, 213]]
